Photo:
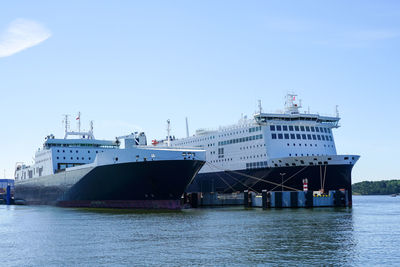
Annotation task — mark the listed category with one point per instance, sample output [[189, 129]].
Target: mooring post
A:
[[8, 196], [194, 200], [264, 199], [246, 198]]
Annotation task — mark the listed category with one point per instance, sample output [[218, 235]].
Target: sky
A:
[[131, 65]]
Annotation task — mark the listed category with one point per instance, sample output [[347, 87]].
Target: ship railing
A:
[[178, 148]]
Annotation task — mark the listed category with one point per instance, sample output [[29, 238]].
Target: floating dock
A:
[[270, 199]]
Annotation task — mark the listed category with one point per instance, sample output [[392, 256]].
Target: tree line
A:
[[386, 187]]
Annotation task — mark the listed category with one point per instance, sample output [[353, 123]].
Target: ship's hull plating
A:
[[327, 177], [149, 184]]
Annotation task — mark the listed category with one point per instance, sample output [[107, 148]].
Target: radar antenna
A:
[[290, 106]]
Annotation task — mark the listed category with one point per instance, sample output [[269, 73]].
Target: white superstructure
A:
[[290, 138], [84, 151]]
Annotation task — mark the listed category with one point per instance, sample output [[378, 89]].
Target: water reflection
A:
[[367, 234]]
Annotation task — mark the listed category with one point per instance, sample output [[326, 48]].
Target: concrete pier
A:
[[273, 199]]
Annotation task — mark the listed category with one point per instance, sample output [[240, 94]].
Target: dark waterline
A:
[[367, 234]]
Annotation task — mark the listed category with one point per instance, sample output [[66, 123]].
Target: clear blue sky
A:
[[133, 64]]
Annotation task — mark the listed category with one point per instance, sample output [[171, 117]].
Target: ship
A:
[[288, 150], [81, 171]]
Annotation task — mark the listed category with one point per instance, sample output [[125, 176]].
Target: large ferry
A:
[[272, 151], [81, 171]]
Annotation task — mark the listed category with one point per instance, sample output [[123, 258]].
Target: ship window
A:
[[71, 157], [302, 128], [317, 129], [330, 138], [77, 151], [292, 136], [64, 158], [88, 151], [57, 157], [278, 128], [272, 127], [290, 128], [307, 128], [280, 136], [321, 129], [58, 150], [284, 127], [318, 137], [296, 128], [304, 136], [83, 158], [286, 136], [298, 136], [314, 137], [312, 129], [323, 137]]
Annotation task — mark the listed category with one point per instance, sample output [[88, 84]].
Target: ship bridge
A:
[[263, 118], [53, 142], [292, 113]]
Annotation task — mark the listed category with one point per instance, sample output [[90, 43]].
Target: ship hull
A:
[[327, 177], [149, 184]]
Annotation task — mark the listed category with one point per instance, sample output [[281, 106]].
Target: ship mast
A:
[[168, 133], [187, 127]]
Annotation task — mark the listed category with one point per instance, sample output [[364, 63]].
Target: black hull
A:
[[150, 184], [336, 177]]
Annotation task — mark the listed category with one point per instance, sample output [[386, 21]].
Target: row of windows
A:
[[76, 158], [310, 145], [58, 151], [259, 164], [195, 140], [302, 136], [299, 128], [221, 160], [254, 156], [249, 147], [240, 140], [254, 129]]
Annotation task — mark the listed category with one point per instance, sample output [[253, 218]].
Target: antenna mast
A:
[[168, 133], [66, 122], [91, 129], [79, 121], [337, 111], [187, 127], [259, 106]]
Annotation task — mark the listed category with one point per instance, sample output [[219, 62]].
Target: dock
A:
[[270, 199]]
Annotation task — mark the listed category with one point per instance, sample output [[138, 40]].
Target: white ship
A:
[[87, 172], [272, 151]]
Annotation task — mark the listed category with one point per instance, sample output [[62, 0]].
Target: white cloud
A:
[[21, 34]]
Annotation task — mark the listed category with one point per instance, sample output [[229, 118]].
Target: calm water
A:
[[367, 234]]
